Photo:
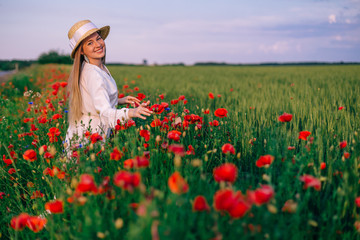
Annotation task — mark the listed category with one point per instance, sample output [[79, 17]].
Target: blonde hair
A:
[[75, 99]]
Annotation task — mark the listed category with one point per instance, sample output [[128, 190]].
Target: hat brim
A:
[[104, 32]]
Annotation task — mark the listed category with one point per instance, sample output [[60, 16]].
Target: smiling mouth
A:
[[100, 50]]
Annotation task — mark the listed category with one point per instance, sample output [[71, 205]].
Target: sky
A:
[[189, 31]]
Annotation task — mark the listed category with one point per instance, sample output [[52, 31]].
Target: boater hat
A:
[[81, 30]]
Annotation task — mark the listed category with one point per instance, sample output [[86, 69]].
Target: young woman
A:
[[93, 91]]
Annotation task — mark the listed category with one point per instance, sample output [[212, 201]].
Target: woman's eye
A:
[[89, 43]]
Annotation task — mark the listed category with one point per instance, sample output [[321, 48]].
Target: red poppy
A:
[[138, 162], [56, 116], [343, 144], [285, 117], [231, 202], [357, 201], [174, 135], [226, 172], [310, 181], [11, 171], [291, 148], [136, 89], [157, 108], [95, 137], [165, 104], [127, 180], [261, 195], [303, 135], [63, 84], [156, 123], [207, 111], [346, 155], [228, 148], [37, 194], [200, 204], [190, 151], [53, 132], [322, 166], [341, 108], [36, 224], [177, 184], [141, 96], [7, 161], [33, 128], [289, 206], [30, 155], [161, 96], [221, 112], [182, 97], [86, 184], [177, 149], [211, 95], [56, 206], [145, 134], [265, 160], [174, 101], [116, 154], [19, 222]]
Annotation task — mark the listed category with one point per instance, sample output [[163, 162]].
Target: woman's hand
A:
[[133, 101], [140, 111]]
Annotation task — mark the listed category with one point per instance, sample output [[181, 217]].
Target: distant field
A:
[[292, 186]]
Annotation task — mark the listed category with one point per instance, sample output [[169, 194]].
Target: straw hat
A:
[[81, 30]]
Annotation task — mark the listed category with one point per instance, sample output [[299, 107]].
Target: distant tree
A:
[[54, 57]]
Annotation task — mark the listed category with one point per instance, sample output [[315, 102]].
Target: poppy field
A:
[[250, 152]]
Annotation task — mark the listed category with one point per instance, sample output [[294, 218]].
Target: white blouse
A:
[[99, 95]]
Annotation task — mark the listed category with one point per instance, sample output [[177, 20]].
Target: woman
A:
[[93, 91]]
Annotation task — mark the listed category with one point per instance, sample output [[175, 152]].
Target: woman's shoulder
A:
[[90, 71]]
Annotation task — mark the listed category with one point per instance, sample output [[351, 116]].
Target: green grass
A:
[[255, 97]]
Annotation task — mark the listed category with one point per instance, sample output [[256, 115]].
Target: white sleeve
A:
[[99, 93]]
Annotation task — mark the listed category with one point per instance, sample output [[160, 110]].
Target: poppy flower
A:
[[310, 181], [161, 96], [86, 184], [226, 172], [56, 206], [200, 204], [137, 162], [343, 144], [261, 195], [221, 112], [211, 95], [322, 166], [33, 128], [19, 222], [174, 135], [141, 96], [165, 104], [35, 223], [127, 180], [30, 155], [63, 84], [53, 132], [57, 116], [155, 123], [228, 148], [95, 137], [357, 201], [157, 108], [182, 97], [174, 101], [303, 135], [11, 171], [231, 202], [289, 206], [177, 184], [265, 160], [285, 117], [341, 108], [346, 155], [177, 149], [190, 151], [7, 161], [207, 111], [145, 134], [37, 194], [291, 148], [116, 154]]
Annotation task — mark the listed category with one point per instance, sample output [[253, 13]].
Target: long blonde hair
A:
[[75, 99]]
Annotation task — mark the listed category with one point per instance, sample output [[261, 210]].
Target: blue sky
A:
[[189, 31]]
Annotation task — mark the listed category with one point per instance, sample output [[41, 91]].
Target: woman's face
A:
[[93, 47]]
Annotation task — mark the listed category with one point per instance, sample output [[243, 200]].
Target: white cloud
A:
[[332, 18], [278, 47]]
